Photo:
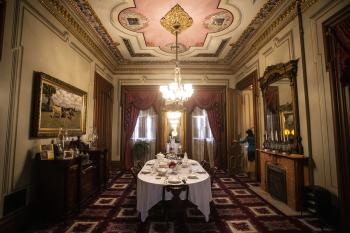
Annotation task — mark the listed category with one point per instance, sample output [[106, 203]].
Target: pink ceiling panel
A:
[[154, 10]]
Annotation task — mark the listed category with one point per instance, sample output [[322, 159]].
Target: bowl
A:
[[162, 171], [163, 164]]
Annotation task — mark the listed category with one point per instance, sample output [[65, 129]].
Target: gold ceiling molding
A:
[[275, 27], [285, 18], [176, 20], [62, 14]]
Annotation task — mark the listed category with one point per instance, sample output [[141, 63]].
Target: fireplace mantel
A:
[[296, 170]]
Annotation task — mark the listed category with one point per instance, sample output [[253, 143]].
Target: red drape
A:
[[342, 33], [211, 101], [134, 102]]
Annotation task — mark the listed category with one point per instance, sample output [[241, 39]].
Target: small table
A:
[[150, 189]]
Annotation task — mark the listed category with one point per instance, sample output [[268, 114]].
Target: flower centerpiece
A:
[[172, 164]]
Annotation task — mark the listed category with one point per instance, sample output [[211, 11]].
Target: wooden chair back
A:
[[176, 191], [134, 172], [206, 165]]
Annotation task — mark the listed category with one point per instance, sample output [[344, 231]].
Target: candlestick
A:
[[276, 136], [272, 135]]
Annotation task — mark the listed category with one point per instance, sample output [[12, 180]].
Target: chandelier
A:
[[176, 92]]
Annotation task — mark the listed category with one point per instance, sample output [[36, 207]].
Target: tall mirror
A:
[[174, 133], [281, 108]]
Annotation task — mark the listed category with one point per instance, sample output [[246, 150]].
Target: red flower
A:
[[172, 164]]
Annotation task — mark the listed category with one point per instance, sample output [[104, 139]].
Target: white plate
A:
[[146, 171], [174, 181], [192, 177]]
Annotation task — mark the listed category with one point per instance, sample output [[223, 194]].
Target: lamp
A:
[[176, 92]]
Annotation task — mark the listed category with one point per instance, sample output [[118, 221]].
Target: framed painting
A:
[[57, 105]]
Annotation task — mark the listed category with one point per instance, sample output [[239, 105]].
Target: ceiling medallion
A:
[[176, 20]]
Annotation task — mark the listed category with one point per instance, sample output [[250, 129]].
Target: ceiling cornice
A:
[[265, 12], [169, 69], [267, 31]]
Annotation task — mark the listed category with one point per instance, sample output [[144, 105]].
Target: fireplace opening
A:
[[276, 182]]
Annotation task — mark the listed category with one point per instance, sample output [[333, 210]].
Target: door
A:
[[337, 37]]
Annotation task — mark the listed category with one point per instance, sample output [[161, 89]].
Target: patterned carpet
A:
[[236, 208]]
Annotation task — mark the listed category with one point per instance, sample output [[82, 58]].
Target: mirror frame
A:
[[275, 73]]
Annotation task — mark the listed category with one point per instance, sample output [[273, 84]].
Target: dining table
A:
[[156, 174]]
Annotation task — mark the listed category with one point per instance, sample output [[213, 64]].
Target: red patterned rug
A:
[[236, 209]]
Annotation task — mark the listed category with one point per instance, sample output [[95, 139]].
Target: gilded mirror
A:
[[278, 86]]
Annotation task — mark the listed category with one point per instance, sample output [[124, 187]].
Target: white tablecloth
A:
[[150, 189]]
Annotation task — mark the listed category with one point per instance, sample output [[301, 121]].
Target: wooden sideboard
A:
[[295, 170], [63, 186]]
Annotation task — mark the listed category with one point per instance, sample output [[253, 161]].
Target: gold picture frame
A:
[[67, 154], [47, 152], [56, 105]]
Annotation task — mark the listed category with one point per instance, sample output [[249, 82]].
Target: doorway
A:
[[337, 37], [248, 106]]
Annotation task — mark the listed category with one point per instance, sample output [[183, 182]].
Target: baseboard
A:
[[15, 221]]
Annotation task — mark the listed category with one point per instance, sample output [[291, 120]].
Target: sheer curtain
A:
[[202, 137], [146, 130]]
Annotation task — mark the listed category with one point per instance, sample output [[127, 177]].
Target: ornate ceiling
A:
[[133, 36], [135, 26]]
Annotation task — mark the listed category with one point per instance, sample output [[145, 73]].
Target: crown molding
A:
[[267, 32], [169, 69]]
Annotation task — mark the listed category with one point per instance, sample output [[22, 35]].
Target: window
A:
[[146, 129], [202, 137]]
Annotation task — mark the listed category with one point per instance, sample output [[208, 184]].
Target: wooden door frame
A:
[[2, 24], [109, 149], [252, 80], [340, 122]]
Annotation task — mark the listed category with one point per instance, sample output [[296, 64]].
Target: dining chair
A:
[[206, 165], [212, 174], [134, 172], [140, 164], [176, 205]]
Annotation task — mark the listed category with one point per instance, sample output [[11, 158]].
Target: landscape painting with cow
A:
[[57, 105]]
